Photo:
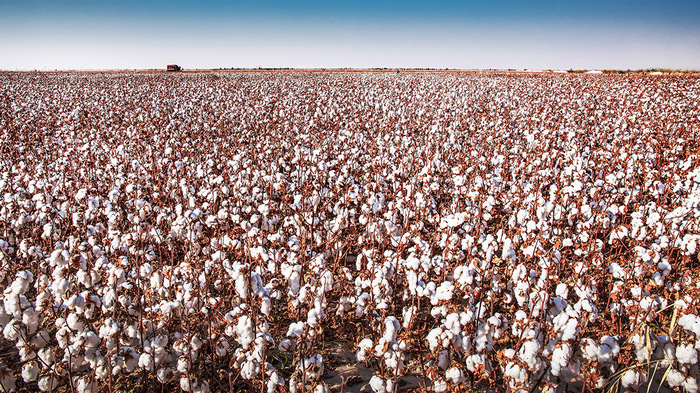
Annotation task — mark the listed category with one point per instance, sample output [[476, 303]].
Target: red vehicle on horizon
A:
[[173, 68]]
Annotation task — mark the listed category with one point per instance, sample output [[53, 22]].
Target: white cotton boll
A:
[[41, 339], [74, 322], [570, 330], [63, 336], [30, 371], [314, 316], [186, 383], [183, 364], [222, 348], [364, 345], [562, 290], [515, 374], [440, 386], [434, 338], [630, 379], [22, 282], [285, 345], [82, 193], [321, 388], [392, 326], [560, 358], [608, 350], [48, 383], [443, 359], [30, 318], [146, 361], [85, 385], [25, 352], [272, 385], [47, 355], [686, 354], [473, 362], [690, 385], [164, 374], [528, 354], [455, 375], [196, 343], [674, 378], [296, 329], [377, 384]]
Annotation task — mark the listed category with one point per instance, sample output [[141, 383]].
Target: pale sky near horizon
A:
[[539, 34]]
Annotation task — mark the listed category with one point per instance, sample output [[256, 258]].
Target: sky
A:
[[499, 34]]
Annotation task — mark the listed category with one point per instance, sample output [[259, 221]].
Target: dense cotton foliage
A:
[[483, 230]]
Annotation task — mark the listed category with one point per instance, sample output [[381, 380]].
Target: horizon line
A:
[[361, 69]]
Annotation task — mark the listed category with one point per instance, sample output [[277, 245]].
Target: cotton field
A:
[[477, 231]]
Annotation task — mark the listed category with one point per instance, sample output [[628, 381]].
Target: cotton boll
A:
[[285, 345], [377, 384], [41, 339], [30, 371], [686, 354], [321, 388], [85, 385], [674, 378], [187, 382], [560, 358], [440, 386], [22, 282], [48, 383], [146, 361], [630, 379], [364, 345], [475, 362], [74, 322], [455, 375], [690, 385], [47, 356], [265, 306], [222, 347], [515, 375], [183, 364]]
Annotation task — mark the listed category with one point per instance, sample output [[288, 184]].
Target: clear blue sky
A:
[[537, 34]]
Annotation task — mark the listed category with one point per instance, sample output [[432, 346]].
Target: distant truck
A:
[[174, 68]]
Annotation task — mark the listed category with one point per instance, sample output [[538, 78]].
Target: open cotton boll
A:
[[22, 282], [440, 386], [455, 375], [377, 384], [515, 375], [187, 382], [85, 385], [674, 378], [274, 381], [48, 383], [630, 379], [30, 371], [165, 374], [363, 346], [560, 358], [146, 361], [476, 362], [321, 388], [690, 385], [686, 354]]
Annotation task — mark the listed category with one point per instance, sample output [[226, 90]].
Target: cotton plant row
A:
[[216, 230]]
